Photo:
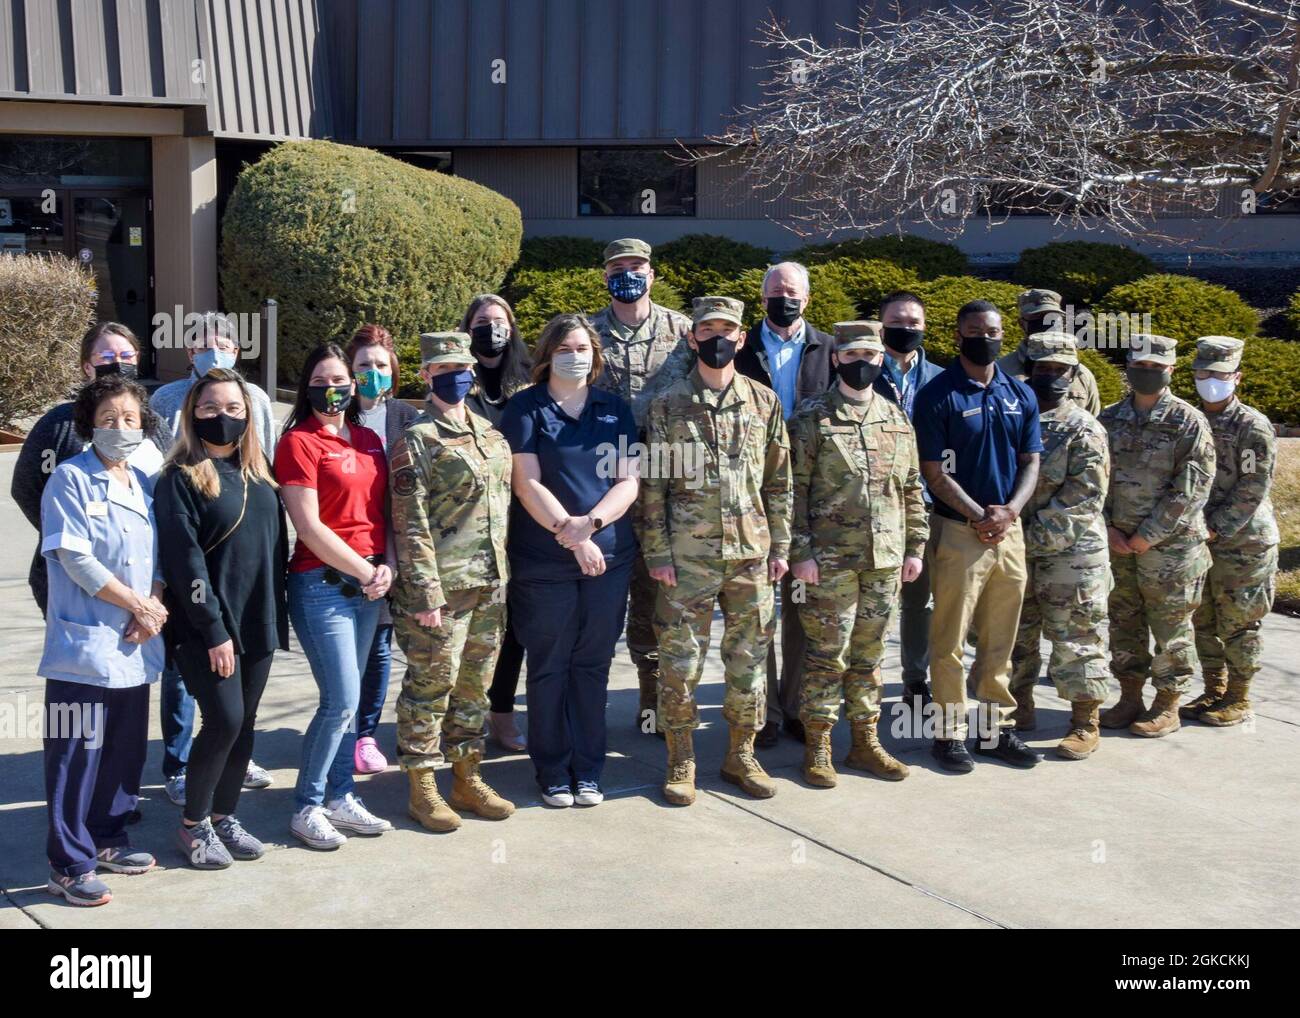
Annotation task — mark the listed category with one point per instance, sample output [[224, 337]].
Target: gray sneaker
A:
[[238, 842], [175, 788], [124, 860], [202, 847], [86, 889]]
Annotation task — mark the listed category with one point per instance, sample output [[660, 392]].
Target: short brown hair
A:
[[98, 331], [553, 334]]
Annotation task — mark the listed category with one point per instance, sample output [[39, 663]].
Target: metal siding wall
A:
[[412, 67], [562, 54], [44, 49], [133, 47], [680, 47], [488, 37], [447, 104], [12, 75], [543, 182], [598, 69], [524, 51]]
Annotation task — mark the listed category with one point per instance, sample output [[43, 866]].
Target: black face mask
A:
[[489, 339], [857, 374], [220, 430], [903, 340], [717, 351], [1050, 389], [979, 350], [330, 400], [1148, 381], [783, 311], [117, 368]]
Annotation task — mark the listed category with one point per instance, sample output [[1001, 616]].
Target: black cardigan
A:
[[815, 371], [237, 590]]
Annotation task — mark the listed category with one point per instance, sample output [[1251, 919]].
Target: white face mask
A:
[[568, 364], [1215, 390]]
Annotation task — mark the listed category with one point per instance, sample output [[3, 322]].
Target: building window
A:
[[635, 182]]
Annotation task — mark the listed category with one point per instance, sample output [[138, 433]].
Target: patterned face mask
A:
[[330, 400], [628, 287]]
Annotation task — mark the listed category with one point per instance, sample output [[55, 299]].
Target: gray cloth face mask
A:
[[117, 443]]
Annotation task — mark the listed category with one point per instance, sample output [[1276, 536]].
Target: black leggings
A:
[[505, 680], [223, 746]]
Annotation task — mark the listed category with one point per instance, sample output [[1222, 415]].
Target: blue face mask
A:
[[451, 386], [373, 384], [628, 287], [206, 360]]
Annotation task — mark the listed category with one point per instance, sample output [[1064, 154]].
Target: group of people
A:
[[643, 466]]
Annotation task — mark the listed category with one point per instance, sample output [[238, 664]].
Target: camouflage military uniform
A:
[[718, 531], [1032, 303], [1162, 467], [858, 510], [450, 502], [1067, 558], [645, 360]]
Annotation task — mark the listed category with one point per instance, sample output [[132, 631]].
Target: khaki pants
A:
[[980, 584]]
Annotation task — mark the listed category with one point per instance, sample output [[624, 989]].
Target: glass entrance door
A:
[[110, 234]]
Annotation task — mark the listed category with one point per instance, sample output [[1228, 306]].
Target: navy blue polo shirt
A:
[[978, 432], [576, 457]]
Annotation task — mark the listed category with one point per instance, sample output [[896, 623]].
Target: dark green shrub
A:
[[929, 259], [1181, 307], [698, 262], [1293, 314], [1110, 379], [341, 235], [868, 280], [1080, 270], [553, 293], [945, 296], [1270, 378], [827, 304], [552, 253], [692, 281]]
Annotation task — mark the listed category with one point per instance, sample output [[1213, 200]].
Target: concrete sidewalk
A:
[[1198, 829]]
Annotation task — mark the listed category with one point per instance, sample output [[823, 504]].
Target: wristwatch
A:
[[596, 523]]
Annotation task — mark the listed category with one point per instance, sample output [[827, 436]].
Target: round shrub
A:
[[1111, 386], [693, 281], [868, 280], [827, 304], [558, 253], [945, 296], [1080, 270], [581, 290], [1270, 378], [46, 303], [1292, 314], [697, 262], [1181, 307], [929, 259], [341, 235]]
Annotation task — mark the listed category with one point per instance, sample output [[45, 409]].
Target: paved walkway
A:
[[1198, 829]]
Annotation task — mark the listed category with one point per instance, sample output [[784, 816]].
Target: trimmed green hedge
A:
[[559, 253], [929, 259], [827, 304], [869, 280], [583, 290], [1181, 307], [1270, 378], [1080, 270], [699, 262], [341, 235], [1293, 314], [1111, 385], [945, 296]]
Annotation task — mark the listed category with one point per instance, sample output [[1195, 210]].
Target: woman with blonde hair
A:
[[223, 555]]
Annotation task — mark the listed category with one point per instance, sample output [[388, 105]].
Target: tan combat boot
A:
[[470, 793], [679, 782], [742, 768], [426, 805], [1126, 711], [818, 770], [869, 755], [1160, 719], [1233, 708], [1084, 737], [1216, 684], [1023, 715]]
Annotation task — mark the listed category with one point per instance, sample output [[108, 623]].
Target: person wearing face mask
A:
[[1162, 472], [225, 537], [215, 344], [102, 646], [793, 360], [644, 351], [571, 548], [450, 487], [1243, 538], [716, 511], [905, 372], [978, 434], [378, 374], [1041, 311], [859, 530], [333, 477], [1065, 552], [502, 367]]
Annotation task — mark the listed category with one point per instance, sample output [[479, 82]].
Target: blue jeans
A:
[[374, 683], [177, 708], [336, 633]]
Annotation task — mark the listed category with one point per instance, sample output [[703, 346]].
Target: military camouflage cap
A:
[[1052, 348], [1145, 347], [727, 308], [859, 336], [1037, 302], [628, 247], [445, 348], [1218, 353]]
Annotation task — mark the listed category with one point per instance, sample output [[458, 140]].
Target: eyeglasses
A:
[[108, 356], [346, 587]]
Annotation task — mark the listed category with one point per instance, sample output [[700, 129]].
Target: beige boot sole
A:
[[443, 827], [748, 787]]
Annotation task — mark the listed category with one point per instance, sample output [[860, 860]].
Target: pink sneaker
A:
[[366, 758]]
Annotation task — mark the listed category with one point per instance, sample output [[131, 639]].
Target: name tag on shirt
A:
[[972, 411], [96, 508]]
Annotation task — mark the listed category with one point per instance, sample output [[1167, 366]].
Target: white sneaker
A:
[[311, 826], [350, 814], [256, 777], [559, 796], [175, 788], [589, 794]]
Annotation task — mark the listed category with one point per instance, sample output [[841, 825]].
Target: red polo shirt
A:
[[350, 479]]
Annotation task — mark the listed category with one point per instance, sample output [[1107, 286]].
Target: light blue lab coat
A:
[[83, 509]]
